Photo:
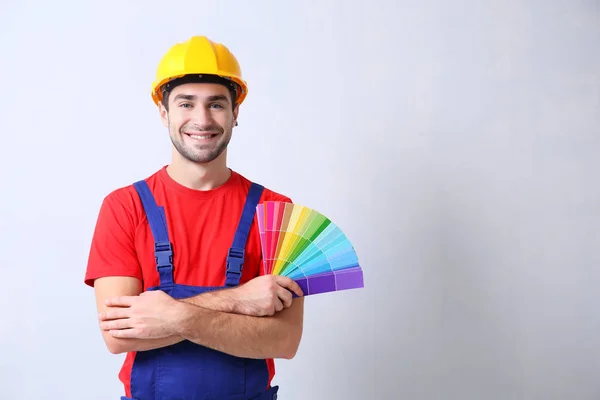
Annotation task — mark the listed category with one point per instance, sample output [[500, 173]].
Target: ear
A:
[[164, 114], [236, 111]]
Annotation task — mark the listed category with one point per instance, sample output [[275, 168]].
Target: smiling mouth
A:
[[202, 137]]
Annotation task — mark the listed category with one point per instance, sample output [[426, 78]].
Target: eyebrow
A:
[[191, 97]]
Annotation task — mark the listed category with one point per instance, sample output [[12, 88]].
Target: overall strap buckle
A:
[[163, 252], [235, 264]]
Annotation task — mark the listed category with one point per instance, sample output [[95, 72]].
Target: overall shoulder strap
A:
[[235, 257], [163, 250]]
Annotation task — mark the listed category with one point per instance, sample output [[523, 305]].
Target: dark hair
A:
[[204, 78]]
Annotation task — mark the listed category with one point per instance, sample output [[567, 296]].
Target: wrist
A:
[[225, 300], [184, 315]]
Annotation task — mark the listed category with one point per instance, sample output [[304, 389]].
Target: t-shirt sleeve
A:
[[112, 250]]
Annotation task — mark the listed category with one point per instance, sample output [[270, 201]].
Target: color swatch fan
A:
[[306, 246]]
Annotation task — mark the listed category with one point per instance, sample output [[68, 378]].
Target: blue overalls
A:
[[186, 370]]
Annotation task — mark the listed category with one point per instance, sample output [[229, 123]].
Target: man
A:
[[175, 259]]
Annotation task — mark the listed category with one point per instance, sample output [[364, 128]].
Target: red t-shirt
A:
[[201, 226]]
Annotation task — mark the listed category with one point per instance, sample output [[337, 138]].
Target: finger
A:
[[285, 296], [290, 284], [278, 305], [116, 324], [120, 301], [114, 313]]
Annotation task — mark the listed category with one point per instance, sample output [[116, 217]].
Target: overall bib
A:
[[188, 371]]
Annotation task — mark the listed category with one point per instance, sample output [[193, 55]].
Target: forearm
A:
[[242, 335], [119, 345], [217, 300]]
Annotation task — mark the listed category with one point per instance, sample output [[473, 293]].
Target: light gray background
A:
[[456, 143]]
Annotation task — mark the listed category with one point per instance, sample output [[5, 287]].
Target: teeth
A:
[[201, 136]]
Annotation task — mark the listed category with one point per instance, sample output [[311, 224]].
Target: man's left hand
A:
[[151, 315]]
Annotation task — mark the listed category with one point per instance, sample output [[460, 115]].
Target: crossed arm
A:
[[256, 320]]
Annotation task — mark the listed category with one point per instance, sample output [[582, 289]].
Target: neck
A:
[[197, 176]]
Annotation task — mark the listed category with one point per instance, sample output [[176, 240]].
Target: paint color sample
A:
[[304, 245]]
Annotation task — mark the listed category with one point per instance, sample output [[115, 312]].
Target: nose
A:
[[202, 118]]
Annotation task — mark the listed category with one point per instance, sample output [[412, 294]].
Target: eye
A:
[[185, 105], [216, 105]]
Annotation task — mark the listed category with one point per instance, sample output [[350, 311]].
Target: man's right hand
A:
[[265, 295]]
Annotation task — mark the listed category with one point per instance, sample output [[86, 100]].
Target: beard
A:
[[199, 152]]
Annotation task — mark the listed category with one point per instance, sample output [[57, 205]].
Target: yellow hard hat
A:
[[199, 56]]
